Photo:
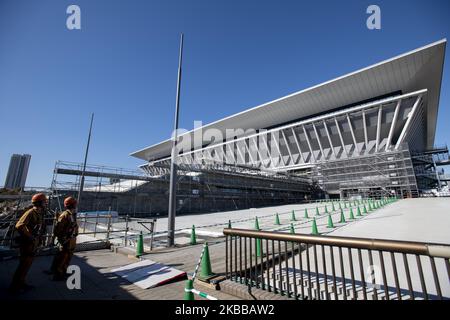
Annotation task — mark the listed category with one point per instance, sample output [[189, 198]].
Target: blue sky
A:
[[122, 66]]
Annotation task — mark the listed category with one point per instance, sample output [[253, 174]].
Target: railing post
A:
[[226, 257], [109, 228], [84, 224], [347, 268], [96, 223], [126, 231], [153, 228]]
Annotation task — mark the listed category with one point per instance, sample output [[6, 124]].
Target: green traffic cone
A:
[[306, 214], [358, 212], [140, 245], [314, 227], [293, 216], [257, 224], [206, 270], [292, 230], [370, 207], [188, 294], [351, 217], [317, 211], [277, 220], [342, 217], [330, 222], [193, 236]]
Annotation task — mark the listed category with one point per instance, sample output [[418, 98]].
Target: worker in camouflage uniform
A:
[[30, 228], [66, 231]]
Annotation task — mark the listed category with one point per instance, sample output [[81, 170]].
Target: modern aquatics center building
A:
[[368, 133]]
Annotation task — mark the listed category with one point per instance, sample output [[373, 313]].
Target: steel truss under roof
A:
[[383, 125]]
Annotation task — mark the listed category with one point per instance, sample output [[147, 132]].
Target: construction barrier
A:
[[206, 270], [314, 231], [204, 263], [140, 245], [330, 222], [293, 218], [277, 220], [292, 229], [193, 236], [198, 264], [189, 292]]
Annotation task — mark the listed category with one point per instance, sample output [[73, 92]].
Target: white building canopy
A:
[[418, 73]]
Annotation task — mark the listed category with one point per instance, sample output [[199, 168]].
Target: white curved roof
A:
[[419, 69]]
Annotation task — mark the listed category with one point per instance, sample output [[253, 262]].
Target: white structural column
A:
[[232, 153], [287, 147], [394, 122], [353, 134], [329, 138], [340, 136], [408, 122], [247, 146], [269, 153], [257, 150], [380, 114], [217, 155], [209, 157], [318, 140], [240, 153], [278, 148], [366, 138], [298, 145], [309, 144]]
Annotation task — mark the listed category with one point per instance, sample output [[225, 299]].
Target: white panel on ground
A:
[[203, 233], [148, 274]]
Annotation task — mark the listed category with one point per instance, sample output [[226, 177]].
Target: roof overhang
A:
[[419, 69]]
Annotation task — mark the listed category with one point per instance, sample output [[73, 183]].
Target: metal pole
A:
[[173, 166], [126, 232], [80, 189]]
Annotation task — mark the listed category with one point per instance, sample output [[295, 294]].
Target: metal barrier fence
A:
[[91, 229], [337, 268]]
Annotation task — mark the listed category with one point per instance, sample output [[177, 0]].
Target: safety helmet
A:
[[70, 202], [39, 198]]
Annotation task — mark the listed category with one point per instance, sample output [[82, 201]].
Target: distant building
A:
[[18, 171]]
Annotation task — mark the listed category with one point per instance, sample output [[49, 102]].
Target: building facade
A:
[[17, 171], [358, 135]]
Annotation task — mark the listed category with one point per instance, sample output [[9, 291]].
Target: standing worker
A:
[[30, 227], [66, 231]]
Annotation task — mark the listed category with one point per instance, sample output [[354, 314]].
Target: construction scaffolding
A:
[[209, 188], [426, 166], [376, 175]]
